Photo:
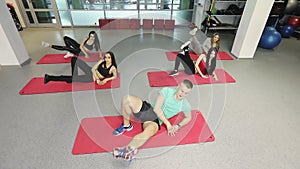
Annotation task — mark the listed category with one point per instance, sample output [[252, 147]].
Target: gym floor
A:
[[255, 120]]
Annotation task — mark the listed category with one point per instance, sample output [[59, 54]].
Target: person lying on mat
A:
[[74, 48], [103, 71], [170, 102], [205, 64], [199, 48]]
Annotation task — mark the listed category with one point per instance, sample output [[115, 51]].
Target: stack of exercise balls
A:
[[287, 30], [293, 21], [270, 38]]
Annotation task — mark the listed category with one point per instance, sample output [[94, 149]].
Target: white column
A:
[[13, 51], [254, 18]]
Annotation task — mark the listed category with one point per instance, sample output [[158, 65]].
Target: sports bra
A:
[[103, 70], [89, 47]]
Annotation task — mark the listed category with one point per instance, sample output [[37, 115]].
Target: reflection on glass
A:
[[162, 14], [61, 4], [77, 4], [183, 17], [25, 4], [45, 17], [87, 12], [122, 14], [41, 4], [86, 18], [29, 17], [65, 18]]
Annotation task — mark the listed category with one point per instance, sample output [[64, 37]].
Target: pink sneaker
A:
[[127, 153], [130, 153], [119, 152]]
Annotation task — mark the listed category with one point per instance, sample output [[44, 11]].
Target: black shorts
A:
[[147, 114]]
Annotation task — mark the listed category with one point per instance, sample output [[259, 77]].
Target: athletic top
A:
[[89, 47], [103, 70], [210, 64], [172, 107]]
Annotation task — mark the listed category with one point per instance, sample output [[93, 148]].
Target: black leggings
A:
[[71, 46], [187, 62], [75, 64]]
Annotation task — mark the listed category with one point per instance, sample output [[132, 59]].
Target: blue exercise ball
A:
[[287, 30], [270, 39], [269, 28]]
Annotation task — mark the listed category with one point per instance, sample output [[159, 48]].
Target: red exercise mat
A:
[[59, 58], [95, 135], [161, 78], [221, 56], [36, 86]]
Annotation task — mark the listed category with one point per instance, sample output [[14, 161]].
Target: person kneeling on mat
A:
[[103, 71], [170, 102], [207, 62]]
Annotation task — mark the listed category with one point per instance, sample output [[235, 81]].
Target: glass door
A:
[[40, 13]]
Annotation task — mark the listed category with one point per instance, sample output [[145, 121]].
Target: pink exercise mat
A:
[[162, 78], [59, 58], [36, 86], [95, 135], [221, 56]]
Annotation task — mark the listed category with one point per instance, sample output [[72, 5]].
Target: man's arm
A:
[[186, 120], [160, 114]]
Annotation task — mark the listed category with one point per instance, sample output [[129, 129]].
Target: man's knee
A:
[[150, 128], [126, 100]]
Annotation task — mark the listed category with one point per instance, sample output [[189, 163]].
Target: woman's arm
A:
[[115, 75], [215, 75], [99, 52], [197, 65], [83, 49], [95, 71]]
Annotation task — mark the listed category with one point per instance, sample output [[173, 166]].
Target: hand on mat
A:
[[86, 56], [204, 76], [215, 77], [172, 130], [101, 82], [94, 78]]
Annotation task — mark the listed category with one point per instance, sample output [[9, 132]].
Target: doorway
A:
[[40, 13]]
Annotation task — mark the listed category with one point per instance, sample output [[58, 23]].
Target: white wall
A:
[[13, 51]]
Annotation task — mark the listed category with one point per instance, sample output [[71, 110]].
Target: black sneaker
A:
[[46, 79], [173, 73]]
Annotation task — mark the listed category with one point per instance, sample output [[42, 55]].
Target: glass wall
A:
[[88, 12]]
